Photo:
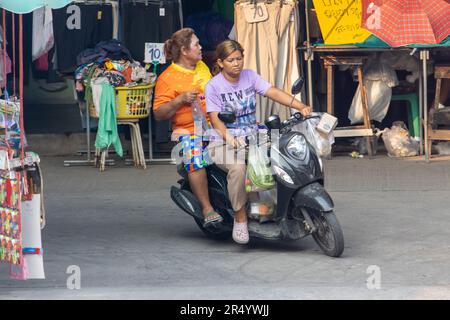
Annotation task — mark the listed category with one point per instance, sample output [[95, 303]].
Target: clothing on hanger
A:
[[159, 25], [43, 39], [79, 26], [268, 48]]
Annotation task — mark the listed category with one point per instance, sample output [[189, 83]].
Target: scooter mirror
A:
[[273, 122], [298, 85], [227, 116]]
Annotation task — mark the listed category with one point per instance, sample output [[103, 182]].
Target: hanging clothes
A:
[[115, 12], [4, 61], [154, 21], [159, 19], [292, 66], [79, 26], [107, 125], [27, 43], [268, 47], [43, 39]]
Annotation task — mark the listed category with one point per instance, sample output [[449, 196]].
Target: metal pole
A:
[[421, 110], [425, 55], [150, 138], [309, 57], [88, 133]]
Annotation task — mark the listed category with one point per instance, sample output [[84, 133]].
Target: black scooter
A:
[[303, 206]]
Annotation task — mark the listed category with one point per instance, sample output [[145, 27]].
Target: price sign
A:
[[255, 13], [154, 53]]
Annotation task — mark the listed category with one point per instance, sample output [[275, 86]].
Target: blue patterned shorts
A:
[[195, 153]]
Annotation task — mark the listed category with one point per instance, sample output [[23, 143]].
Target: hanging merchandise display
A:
[[159, 19], [43, 39], [267, 31], [10, 232], [20, 178], [78, 26]]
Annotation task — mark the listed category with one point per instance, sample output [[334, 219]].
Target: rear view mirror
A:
[[273, 122], [297, 86], [227, 117]]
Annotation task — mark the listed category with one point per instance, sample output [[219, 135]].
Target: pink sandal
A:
[[240, 232]]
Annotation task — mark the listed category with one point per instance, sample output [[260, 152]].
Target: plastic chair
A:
[[413, 112]]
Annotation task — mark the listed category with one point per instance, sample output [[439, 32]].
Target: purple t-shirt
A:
[[240, 97]]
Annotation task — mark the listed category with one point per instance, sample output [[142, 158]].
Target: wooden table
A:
[[353, 131]]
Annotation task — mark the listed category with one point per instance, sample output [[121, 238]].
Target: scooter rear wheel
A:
[[329, 234], [213, 233]]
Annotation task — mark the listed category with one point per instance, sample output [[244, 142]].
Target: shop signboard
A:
[[154, 53], [340, 21]]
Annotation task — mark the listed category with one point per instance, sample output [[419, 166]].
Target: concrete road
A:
[[131, 242]]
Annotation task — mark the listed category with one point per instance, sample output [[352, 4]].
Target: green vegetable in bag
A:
[[259, 172]]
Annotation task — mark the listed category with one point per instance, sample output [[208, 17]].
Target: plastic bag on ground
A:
[[397, 141]]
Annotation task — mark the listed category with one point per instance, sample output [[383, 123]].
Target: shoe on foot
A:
[[240, 232], [211, 219]]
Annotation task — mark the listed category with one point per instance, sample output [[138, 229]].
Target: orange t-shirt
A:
[[176, 80]]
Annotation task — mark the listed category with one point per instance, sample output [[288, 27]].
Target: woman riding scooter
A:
[[234, 89], [177, 88]]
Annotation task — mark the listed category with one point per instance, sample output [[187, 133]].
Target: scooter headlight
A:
[[297, 147], [283, 174]]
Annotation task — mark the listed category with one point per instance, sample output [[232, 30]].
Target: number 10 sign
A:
[[154, 53]]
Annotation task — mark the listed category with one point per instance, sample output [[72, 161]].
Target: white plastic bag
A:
[[379, 79], [397, 141], [322, 143], [262, 205], [259, 173], [378, 99]]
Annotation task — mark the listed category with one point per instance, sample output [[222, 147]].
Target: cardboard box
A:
[[327, 123]]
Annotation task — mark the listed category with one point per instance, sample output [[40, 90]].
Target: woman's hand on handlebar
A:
[[239, 143], [306, 110]]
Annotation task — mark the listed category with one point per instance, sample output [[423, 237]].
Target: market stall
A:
[[357, 27], [21, 182]]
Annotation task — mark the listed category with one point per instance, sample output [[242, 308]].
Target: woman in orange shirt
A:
[[180, 86]]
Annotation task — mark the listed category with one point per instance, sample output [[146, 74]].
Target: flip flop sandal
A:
[[211, 219]]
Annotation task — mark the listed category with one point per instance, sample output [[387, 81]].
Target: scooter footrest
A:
[[268, 230]]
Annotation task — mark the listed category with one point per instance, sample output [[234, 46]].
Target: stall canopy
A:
[[375, 42], [26, 6]]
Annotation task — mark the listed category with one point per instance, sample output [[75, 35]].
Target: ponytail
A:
[[181, 38], [168, 49], [215, 70]]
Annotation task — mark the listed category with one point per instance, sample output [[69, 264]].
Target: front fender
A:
[[314, 196]]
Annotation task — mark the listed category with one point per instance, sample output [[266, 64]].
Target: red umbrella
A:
[[404, 22]]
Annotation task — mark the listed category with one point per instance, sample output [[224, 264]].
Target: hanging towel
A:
[[107, 125]]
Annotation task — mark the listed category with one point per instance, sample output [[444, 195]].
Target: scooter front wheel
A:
[[328, 234], [213, 233]]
